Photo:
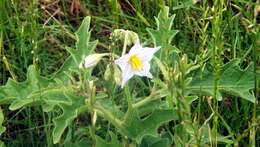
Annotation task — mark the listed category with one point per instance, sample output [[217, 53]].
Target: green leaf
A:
[[2, 144], [69, 113], [163, 68], [141, 121], [233, 80], [103, 143], [37, 90], [77, 137], [2, 129], [111, 107], [150, 141], [164, 34], [206, 136], [136, 128], [184, 4], [84, 47], [23, 93]]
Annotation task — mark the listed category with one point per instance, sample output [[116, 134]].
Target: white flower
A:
[[91, 60], [136, 62]]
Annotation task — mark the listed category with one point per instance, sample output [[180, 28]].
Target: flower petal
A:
[[122, 62], [136, 48], [145, 71], [147, 53], [127, 74]]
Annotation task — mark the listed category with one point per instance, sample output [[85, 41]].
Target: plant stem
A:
[[216, 59], [254, 123], [154, 96], [108, 115], [125, 44]]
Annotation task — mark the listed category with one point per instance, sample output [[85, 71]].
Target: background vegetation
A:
[[37, 32]]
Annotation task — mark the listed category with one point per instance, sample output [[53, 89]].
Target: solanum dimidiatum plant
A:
[[133, 118]]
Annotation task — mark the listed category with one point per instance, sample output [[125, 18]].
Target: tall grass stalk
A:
[[255, 35], [217, 11], [203, 38], [225, 29]]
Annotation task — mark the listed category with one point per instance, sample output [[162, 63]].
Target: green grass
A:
[[37, 33]]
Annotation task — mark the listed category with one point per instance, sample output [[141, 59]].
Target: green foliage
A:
[[174, 107], [76, 138], [233, 80], [2, 128], [51, 92], [136, 128], [25, 93], [83, 48], [150, 141], [70, 112], [204, 131], [103, 143], [137, 123], [164, 34]]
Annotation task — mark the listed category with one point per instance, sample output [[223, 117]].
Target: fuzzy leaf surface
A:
[[83, 48], [232, 80], [164, 34], [52, 93], [150, 141], [103, 143], [136, 127]]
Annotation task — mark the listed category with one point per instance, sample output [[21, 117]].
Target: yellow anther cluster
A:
[[135, 62]]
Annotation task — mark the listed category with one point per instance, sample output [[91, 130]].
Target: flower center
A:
[[135, 62]]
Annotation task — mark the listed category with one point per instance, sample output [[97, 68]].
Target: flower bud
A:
[[117, 75], [114, 73], [107, 73], [91, 60]]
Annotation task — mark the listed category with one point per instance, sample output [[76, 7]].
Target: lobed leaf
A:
[[83, 48], [150, 141], [136, 128], [164, 34], [24, 93], [69, 113], [103, 143], [233, 80], [38, 90]]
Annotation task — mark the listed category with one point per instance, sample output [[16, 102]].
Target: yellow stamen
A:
[[135, 62]]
